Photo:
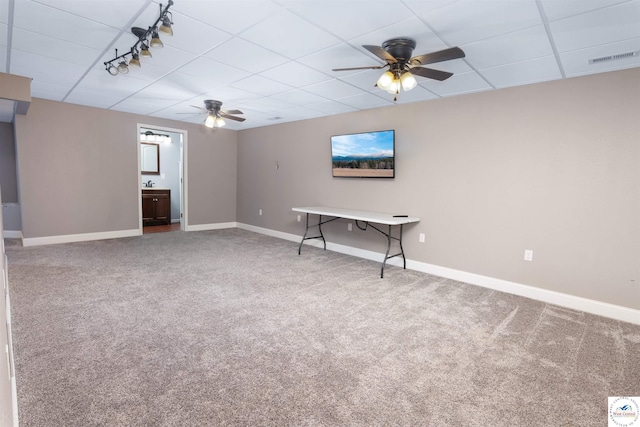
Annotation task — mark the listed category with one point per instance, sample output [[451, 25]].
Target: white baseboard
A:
[[12, 234], [599, 308], [71, 238], [216, 226]]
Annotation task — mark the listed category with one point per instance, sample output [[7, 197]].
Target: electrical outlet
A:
[[349, 227], [421, 238], [298, 218], [528, 255], [260, 212]]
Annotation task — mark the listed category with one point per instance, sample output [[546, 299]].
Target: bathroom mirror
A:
[[150, 158]]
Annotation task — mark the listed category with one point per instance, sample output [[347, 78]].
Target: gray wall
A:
[[78, 171], [551, 167], [8, 176]]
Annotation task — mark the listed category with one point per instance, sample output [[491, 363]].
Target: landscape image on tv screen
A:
[[364, 155]]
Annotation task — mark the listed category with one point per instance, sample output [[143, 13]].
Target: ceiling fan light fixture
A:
[[394, 87], [211, 121], [385, 80], [219, 122], [408, 81]]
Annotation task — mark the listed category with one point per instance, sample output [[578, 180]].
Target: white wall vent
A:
[[614, 57]]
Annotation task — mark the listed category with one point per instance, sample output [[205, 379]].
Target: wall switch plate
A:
[[298, 218], [528, 255], [349, 227], [421, 238], [260, 212]]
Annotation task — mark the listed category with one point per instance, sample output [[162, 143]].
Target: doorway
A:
[[162, 183]]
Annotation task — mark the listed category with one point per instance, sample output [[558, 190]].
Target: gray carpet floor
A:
[[233, 328]]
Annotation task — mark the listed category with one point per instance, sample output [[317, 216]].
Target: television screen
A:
[[364, 155]]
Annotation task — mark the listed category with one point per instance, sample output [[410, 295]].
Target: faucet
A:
[[149, 184]]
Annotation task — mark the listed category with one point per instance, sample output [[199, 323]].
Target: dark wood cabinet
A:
[[156, 206]]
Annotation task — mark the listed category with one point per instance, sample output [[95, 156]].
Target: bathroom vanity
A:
[[156, 206]]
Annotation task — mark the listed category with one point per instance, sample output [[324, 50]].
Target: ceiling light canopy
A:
[[146, 38]]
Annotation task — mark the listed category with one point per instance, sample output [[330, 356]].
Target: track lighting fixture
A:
[[146, 38]]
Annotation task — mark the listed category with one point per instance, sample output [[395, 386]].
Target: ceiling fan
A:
[[402, 66], [215, 114]]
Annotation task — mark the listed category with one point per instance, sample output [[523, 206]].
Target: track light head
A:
[[166, 25], [155, 39], [111, 69], [123, 68]]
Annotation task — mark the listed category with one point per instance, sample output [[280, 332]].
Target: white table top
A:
[[377, 217]]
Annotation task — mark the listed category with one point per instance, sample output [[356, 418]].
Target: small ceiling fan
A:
[[402, 66], [215, 114]]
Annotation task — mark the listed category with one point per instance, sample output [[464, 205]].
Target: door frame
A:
[[184, 222]]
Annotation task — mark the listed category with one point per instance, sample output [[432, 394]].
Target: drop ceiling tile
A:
[[365, 80], [558, 9], [93, 98], [231, 97], [4, 11], [99, 81], [467, 21], [260, 85], [608, 25], [289, 35], [332, 107], [364, 101], [188, 35], [333, 89], [45, 69], [246, 56], [218, 74], [340, 56], [48, 90], [295, 74], [52, 22], [504, 49], [456, 85], [576, 63], [350, 19], [426, 40], [3, 34], [230, 16], [525, 72], [416, 94], [268, 105], [113, 13], [38, 44], [299, 97], [3, 60]]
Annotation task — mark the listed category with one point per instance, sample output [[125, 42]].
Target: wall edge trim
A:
[[214, 226], [84, 237], [612, 311]]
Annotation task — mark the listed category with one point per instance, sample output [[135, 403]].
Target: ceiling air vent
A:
[[274, 118], [614, 57]]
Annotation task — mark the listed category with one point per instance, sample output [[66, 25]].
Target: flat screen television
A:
[[364, 155]]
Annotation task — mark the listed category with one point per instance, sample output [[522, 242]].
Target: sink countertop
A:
[[155, 188]]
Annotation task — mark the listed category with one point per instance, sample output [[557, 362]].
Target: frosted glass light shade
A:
[[385, 80], [408, 81]]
